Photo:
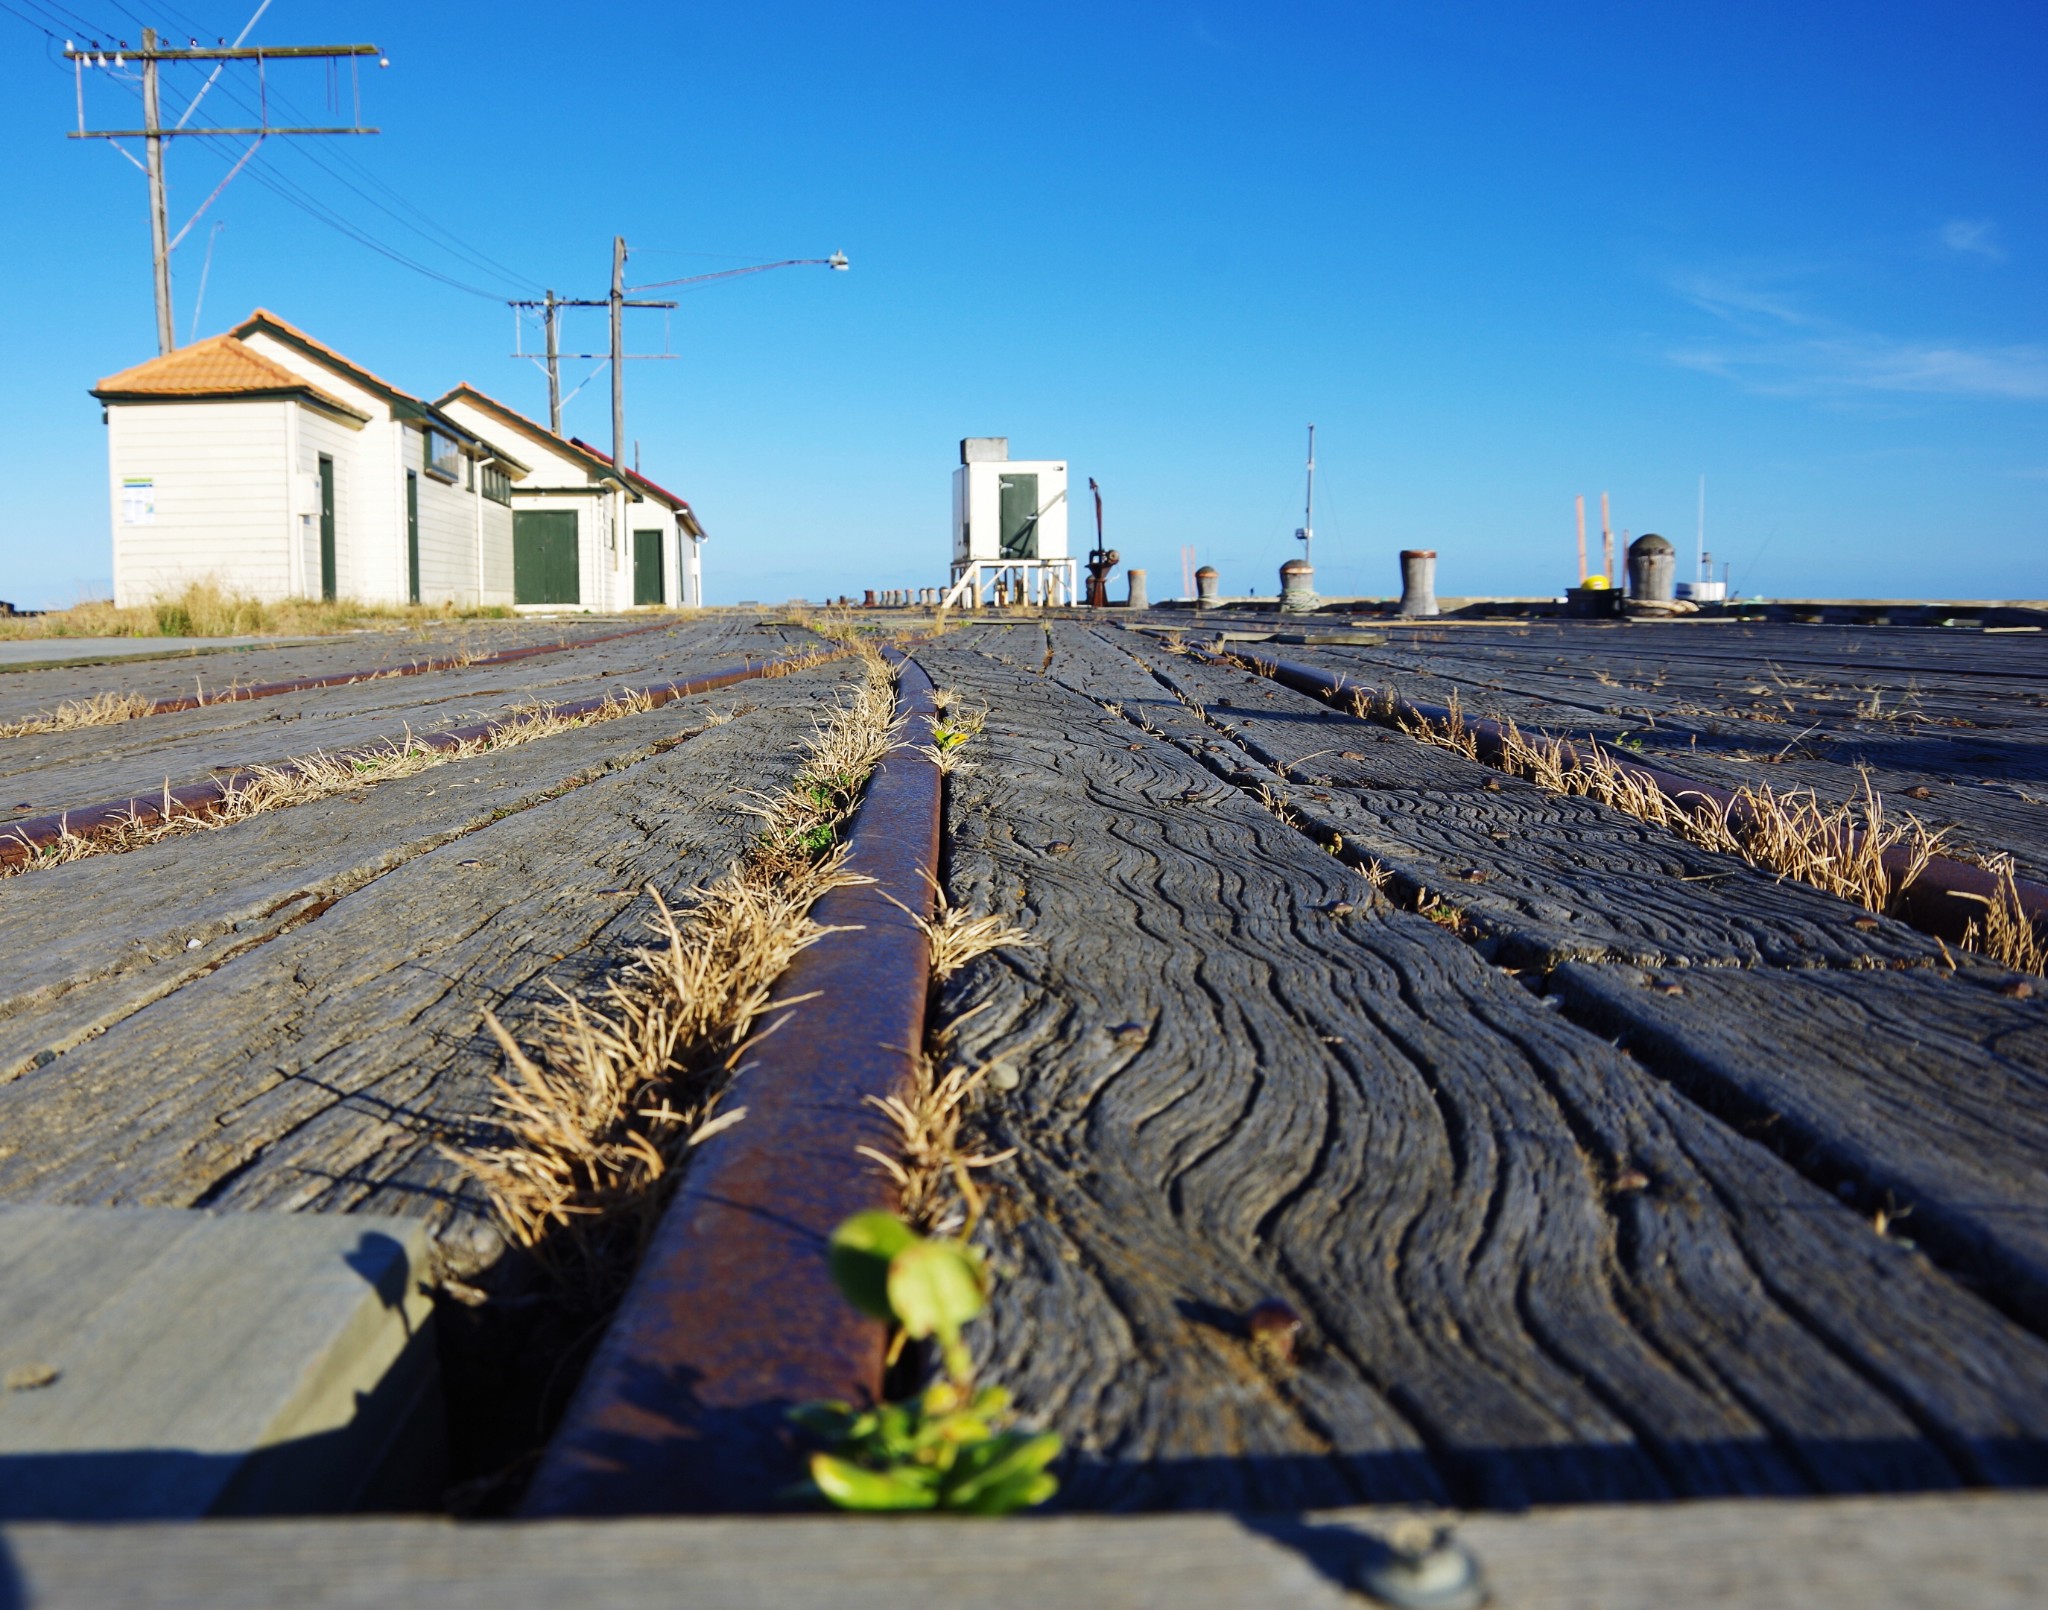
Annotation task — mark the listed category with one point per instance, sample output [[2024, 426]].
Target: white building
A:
[[1009, 520], [584, 533], [269, 463]]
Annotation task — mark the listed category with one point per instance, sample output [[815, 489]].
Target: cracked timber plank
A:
[[54, 771], [1222, 1090], [316, 1071]]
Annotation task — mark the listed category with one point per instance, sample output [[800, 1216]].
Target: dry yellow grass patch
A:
[[595, 1113], [101, 710], [207, 609], [2006, 934], [320, 776]]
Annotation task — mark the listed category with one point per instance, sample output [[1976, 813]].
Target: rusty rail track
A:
[[1942, 900], [733, 1317], [19, 841]]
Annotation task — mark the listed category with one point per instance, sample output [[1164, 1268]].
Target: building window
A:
[[439, 455], [497, 484]]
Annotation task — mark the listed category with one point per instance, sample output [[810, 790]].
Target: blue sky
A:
[[1500, 254]]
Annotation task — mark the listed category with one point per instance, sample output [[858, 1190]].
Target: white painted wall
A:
[[222, 496], [320, 433], [977, 508]]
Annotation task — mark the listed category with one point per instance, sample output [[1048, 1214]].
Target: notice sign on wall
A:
[[138, 501]]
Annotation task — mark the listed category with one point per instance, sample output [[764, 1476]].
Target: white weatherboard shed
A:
[[1009, 520], [585, 534], [267, 462]]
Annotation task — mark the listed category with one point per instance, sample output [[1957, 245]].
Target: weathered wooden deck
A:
[[1637, 1176]]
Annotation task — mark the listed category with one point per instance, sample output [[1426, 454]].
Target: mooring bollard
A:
[[1418, 582], [1297, 587], [1137, 598], [1652, 568], [1205, 588]]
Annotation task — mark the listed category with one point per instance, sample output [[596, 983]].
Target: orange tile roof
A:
[[220, 366]]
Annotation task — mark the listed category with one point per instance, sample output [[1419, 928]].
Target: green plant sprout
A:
[[945, 1448]]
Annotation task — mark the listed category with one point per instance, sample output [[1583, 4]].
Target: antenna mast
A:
[[1307, 533], [1702, 566]]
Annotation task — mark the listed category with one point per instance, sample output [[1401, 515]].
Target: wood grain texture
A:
[[170, 675], [1925, 1096], [168, 913], [53, 771], [1547, 877], [317, 1070], [1225, 1089], [1979, 756], [1976, 1552]]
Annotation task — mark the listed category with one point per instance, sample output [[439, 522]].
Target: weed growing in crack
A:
[[101, 710]]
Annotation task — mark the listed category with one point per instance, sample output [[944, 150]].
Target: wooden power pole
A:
[[617, 302], [1606, 543], [153, 133]]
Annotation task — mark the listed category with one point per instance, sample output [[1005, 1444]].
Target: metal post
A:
[[618, 352], [554, 330], [159, 226]]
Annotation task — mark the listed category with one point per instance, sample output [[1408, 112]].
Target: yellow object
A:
[[1596, 581]]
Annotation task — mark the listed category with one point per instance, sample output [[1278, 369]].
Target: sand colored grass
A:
[[208, 609], [101, 710], [318, 776], [600, 1104]]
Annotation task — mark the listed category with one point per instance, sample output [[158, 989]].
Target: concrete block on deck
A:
[[163, 1364]]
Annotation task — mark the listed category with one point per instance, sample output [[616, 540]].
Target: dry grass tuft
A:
[[594, 1115], [1793, 833], [956, 936], [934, 1166], [2007, 935], [207, 609], [101, 710], [319, 776]]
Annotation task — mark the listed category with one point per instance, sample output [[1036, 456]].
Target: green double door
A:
[[544, 566], [647, 570]]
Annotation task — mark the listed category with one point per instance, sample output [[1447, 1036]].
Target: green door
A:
[[412, 535], [647, 567], [544, 557], [327, 564], [1017, 520]]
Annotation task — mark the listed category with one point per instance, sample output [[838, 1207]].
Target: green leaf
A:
[[851, 1487], [822, 1419], [859, 1258], [1000, 1474], [935, 1287]]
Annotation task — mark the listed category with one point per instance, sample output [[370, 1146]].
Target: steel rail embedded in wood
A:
[[1944, 898], [19, 841], [342, 679], [732, 1317]]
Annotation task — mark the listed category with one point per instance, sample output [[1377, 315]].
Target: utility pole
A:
[[159, 225], [1606, 542], [153, 134], [554, 326], [618, 300]]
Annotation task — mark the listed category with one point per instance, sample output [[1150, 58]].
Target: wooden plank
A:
[[168, 673], [1224, 1089], [317, 1071], [1546, 877], [194, 1364], [1979, 1552], [1925, 1096], [1985, 784], [52, 771], [168, 913]]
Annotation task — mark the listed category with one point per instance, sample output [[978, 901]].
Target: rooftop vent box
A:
[[984, 449]]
